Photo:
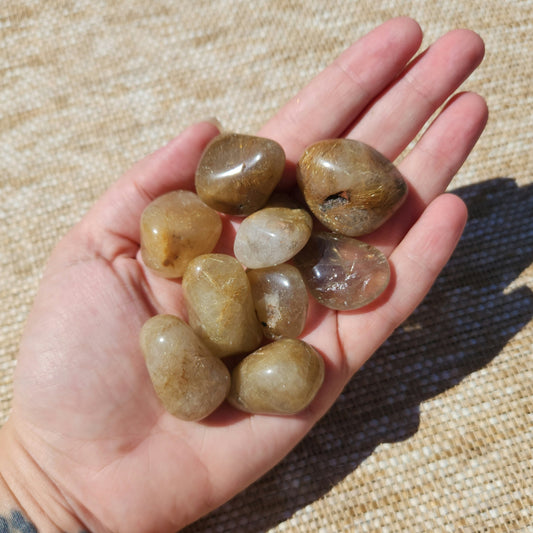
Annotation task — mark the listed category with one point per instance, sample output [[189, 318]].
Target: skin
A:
[[87, 445]]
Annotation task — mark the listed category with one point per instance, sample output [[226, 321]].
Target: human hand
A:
[[86, 425]]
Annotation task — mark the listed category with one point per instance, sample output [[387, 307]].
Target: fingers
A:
[[443, 149], [112, 226], [329, 104], [396, 117], [416, 262], [403, 109], [433, 162]]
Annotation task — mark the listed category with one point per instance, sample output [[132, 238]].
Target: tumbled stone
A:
[[350, 187], [280, 378], [272, 236], [175, 228], [237, 173], [280, 299], [220, 305], [190, 382], [341, 272]]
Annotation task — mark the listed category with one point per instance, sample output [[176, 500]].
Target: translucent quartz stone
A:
[[341, 272], [237, 173], [280, 299], [175, 228], [272, 236], [350, 187], [280, 378], [220, 306], [190, 382]]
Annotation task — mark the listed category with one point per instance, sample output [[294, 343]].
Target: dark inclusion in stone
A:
[[350, 187]]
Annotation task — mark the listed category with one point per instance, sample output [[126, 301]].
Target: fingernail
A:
[[215, 122]]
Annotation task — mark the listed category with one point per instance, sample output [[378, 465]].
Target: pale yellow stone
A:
[[175, 228], [220, 306], [280, 378], [190, 382]]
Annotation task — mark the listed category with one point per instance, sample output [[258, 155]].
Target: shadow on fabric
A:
[[464, 322]]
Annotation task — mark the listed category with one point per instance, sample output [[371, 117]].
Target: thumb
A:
[[111, 227]]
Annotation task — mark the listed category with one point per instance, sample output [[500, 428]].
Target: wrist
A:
[[29, 500], [12, 517]]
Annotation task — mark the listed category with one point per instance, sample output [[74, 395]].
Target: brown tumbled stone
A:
[[341, 272], [280, 378], [175, 228], [220, 305], [190, 382], [237, 173], [349, 186], [280, 299]]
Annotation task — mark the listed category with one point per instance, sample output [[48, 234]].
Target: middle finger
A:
[[398, 114], [334, 98]]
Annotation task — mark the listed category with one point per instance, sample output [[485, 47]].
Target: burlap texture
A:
[[434, 434]]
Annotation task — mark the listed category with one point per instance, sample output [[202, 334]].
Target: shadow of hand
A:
[[463, 324]]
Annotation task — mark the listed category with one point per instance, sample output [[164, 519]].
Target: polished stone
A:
[[190, 382], [341, 272], [175, 228], [237, 173], [220, 305], [280, 378], [271, 236], [280, 299], [350, 187]]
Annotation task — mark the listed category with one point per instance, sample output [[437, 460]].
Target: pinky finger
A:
[[433, 162], [416, 262]]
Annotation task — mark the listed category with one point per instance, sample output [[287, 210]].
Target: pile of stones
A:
[[283, 249]]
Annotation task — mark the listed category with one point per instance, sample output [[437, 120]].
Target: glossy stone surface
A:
[[175, 228], [237, 173], [280, 300], [190, 382], [280, 378], [350, 187], [341, 272], [272, 236], [220, 306]]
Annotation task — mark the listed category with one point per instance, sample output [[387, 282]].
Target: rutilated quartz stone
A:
[[349, 186], [237, 173], [272, 236], [220, 306], [190, 382], [280, 378], [341, 272], [280, 299], [175, 228]]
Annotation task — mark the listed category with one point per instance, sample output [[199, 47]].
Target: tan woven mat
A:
[[434, 434]]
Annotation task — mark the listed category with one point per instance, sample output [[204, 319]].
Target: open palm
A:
[[84, 408]]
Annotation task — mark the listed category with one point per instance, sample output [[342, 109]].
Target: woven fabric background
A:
[[435, 432]]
